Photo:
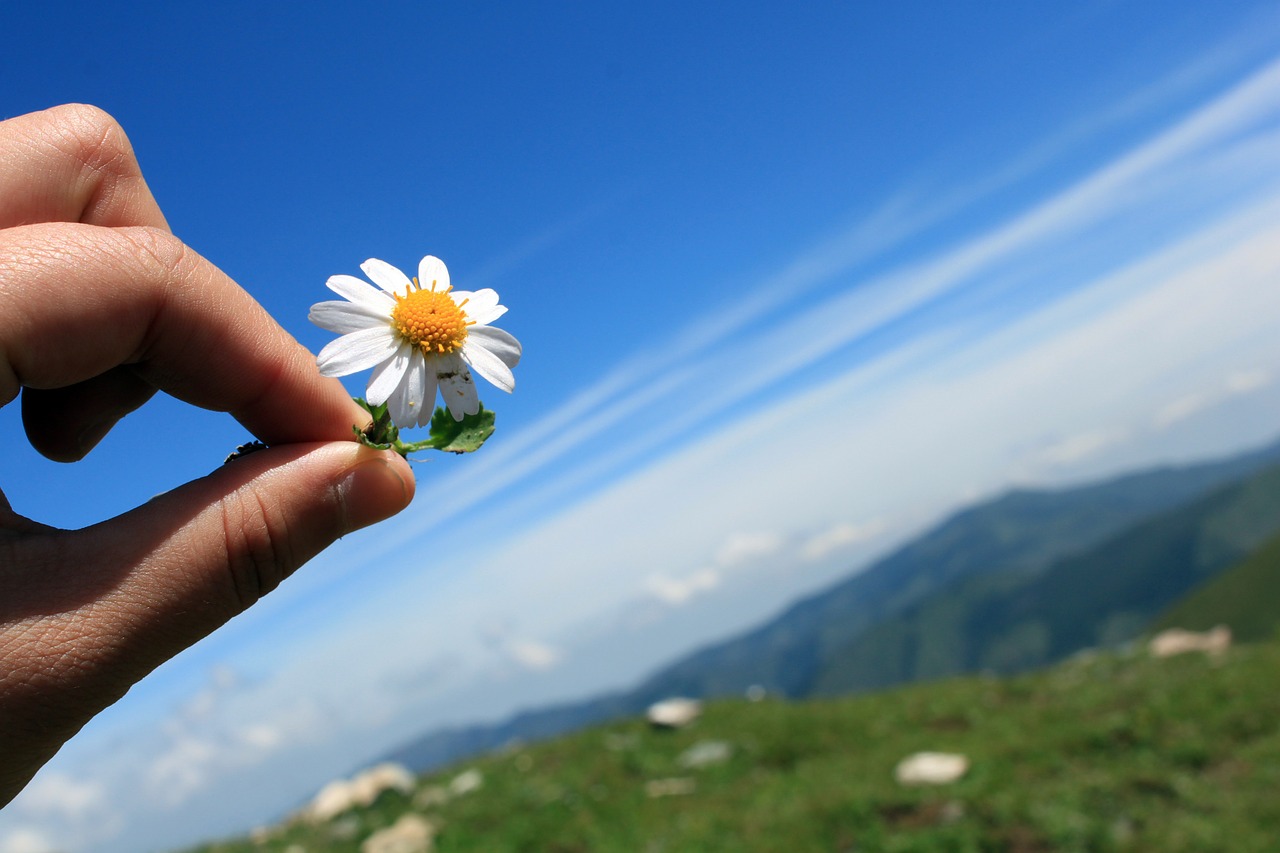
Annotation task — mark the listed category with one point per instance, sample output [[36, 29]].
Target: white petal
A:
[[344, 317], [488, 364], [357, 351], [432, 269], [484, 318], [497, 341], [388, 375], [406, 402], [360, 292], [397, 406], [386, 276], [456, 386], [481, 305], [429, 391]]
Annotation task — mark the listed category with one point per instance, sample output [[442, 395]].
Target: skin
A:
[[87, 257]]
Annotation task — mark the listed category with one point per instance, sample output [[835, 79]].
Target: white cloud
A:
[[502, 637], [741, 548], [1221, 148], [1086, 374], [26, 840], [261, 737], [839, 537], [1074, 448], [226, 725], [1182, 408], [677, 591], [532, 654], [182, 769], [1248, 381], [60, 809], [221, 681], [1235, 384], [63, 797], [737, 550]]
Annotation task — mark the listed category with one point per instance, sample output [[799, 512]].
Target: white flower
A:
[[416, 335]]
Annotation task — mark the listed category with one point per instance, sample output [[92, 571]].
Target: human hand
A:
[[100, 307]]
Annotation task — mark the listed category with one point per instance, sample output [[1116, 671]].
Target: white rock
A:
[[361, 790], [674, 713], [931, 768], [1176, 641], [333, 799], [677, 787], [410, 834], [705, 753], [432, 796], [466, 782]]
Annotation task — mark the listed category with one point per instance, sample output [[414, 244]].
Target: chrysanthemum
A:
[[417, 336]]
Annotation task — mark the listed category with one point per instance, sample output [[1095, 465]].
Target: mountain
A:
[[1244, 598], [988, 554], [1008, 621], [1019, 534]]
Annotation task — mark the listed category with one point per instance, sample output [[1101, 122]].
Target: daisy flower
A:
[[418, 335]]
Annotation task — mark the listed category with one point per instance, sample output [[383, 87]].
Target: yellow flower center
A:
[[430, 319]]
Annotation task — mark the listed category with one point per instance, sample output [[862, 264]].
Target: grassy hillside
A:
[[1246, 598], [1100, 753]]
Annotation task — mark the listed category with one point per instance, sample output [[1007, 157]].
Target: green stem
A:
[[447, 434]]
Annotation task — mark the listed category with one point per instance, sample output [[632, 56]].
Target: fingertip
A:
[[374, 486]]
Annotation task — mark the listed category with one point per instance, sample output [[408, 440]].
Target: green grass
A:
[[1246, 597], [1100, 753]]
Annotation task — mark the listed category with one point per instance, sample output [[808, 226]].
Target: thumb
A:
[[212, 548], [95, 610], [88, 613], [157, 579]]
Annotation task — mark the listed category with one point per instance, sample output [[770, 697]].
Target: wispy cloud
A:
[[1073, 448], [82, 807], [533, 654], [1223, 155], [839, 537], [26, 839], [1189, 404], [678, 590]]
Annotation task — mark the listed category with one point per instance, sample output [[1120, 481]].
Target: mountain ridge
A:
[[1103, 597]]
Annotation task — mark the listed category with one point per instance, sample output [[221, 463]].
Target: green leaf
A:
[[464, 436]]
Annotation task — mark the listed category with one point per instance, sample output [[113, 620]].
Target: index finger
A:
[[72, 163], [78, 300]]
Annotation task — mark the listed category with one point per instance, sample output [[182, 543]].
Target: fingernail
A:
[[372, 490], [92, 434]]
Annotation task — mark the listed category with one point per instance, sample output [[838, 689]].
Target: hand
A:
[[100, 307]]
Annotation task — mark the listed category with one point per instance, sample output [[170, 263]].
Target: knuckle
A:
[[93, 138], [258, 555], [162, 255], [171, 269]]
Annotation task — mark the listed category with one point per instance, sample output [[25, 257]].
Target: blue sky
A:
[[792, 283]]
